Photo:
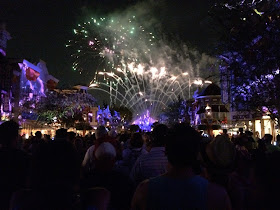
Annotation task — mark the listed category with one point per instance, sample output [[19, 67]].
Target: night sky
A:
[[41, 28]]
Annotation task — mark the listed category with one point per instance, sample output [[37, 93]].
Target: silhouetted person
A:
[[61, 135], [54, 179], [105, 176], [36, 142], [155, 162], [101, 135], [71, 136], [134, 150], [267, 172], [240, 131], [179, 187], [268, 142], [14, 163]]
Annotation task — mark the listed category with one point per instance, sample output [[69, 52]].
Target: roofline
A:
[[208, 96]]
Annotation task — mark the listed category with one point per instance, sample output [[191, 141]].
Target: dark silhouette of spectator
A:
[[268, 142], [266, 191], [218, 157], [131, 154], [61, 135], [87, 163], [251, 144], [14, 163], [240, 131], [71, 136], [96, 198], [47, 138], [36, 142], [54, 179], [105, 176], [124, 140], [179, 187], [225, 133], [101, 135], [81, 151], [155, 162]]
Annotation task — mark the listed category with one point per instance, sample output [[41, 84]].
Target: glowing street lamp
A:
[[208, 110]]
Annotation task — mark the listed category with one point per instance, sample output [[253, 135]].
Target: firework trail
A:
[[135, 67]]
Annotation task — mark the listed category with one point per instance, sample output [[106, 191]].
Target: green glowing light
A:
[[259, 13]]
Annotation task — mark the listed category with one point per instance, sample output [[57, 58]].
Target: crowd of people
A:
[[169, 168]]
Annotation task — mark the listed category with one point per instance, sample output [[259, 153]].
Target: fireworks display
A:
[[135, 67]]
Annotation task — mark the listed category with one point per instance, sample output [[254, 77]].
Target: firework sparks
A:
[[136, 69]]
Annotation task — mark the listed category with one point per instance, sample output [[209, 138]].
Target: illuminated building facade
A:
[[211, 114]]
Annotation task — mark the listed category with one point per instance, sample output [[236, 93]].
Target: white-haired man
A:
[[105, 176], [100, 132]]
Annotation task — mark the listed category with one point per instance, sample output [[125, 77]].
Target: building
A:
[[211, 114]]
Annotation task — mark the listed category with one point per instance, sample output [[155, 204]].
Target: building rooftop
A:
[[211, 90]]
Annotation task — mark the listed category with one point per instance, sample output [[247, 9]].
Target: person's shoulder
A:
[[143, 186], [91, 148], [140, 196]]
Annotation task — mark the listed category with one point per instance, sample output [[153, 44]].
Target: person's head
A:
[[221, 153], [9, 134], [182, 146], [78, 143], [105, 156], [47, 137], [112, 133], [71, 136], [136, 140], [224, 131], [248, 133], [123, 137], [38, 134], [61, 134], [100, 132], [240, 130], [159, 135], [267, 138]]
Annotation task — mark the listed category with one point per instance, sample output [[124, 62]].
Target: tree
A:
[[125, 113], [177, 111], [66, 109], [249, 50]]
